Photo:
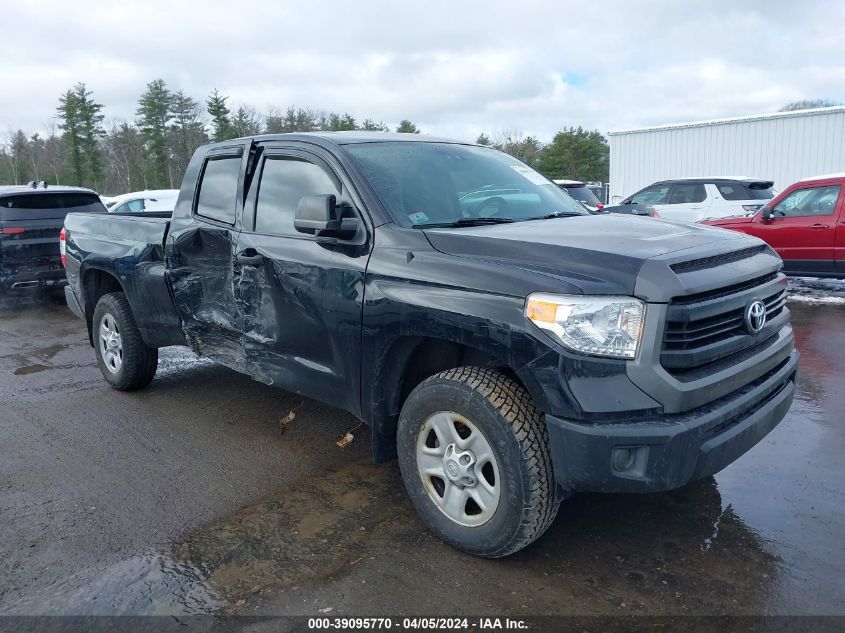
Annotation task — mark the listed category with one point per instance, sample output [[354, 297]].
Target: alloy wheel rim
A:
[[458, 468]]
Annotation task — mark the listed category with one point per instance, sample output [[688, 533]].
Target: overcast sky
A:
[[455, 68]]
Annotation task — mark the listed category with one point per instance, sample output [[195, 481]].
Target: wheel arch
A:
[[408, 360], [96, 282]]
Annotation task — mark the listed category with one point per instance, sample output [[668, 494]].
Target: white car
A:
[[141, 201], [696, 199]]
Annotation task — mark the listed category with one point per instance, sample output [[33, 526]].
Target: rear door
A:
[[687, 202], [802, 227], [201, 257], [301, 295]]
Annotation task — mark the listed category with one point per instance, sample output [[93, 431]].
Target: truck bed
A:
[[129, 248]]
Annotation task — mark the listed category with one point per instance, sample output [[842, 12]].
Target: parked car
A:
[[508, 351], [144, 201], [582, 193], [31, 217], [805, 224], [599, 190], [695, 199]]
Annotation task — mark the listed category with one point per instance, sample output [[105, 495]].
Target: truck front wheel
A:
[[475, 459], [125, 360]]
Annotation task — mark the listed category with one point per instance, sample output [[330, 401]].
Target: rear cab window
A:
[[218, 188]]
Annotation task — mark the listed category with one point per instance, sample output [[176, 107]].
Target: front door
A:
[[802, 228], [301, 296]]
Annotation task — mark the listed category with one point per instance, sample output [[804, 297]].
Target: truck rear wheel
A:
[[474, 455], [126, 362]]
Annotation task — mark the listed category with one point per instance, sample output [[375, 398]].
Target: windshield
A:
[[582, 194], [443, 183]]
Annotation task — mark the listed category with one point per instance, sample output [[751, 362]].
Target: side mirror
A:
[[767, 214], [318, 215]]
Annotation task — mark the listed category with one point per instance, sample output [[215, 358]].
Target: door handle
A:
[[819, 226], [250, 257]]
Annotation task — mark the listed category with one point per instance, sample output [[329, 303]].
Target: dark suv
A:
[[31, 217]]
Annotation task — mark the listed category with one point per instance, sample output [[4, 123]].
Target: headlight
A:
[[598, 326]]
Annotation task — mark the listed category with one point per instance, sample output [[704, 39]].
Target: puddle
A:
[[316, 532], [152, 584], [30, 369]]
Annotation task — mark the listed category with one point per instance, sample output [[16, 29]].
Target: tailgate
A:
[[30, 241], [117, 234]]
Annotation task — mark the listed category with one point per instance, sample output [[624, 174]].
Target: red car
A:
[[805, 224]]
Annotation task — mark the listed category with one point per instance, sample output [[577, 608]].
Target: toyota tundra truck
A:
[[506, 346]]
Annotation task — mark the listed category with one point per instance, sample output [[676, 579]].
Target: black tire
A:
[[139, 362], [502, 410]]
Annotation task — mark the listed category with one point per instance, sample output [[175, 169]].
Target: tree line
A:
[[152, 152]]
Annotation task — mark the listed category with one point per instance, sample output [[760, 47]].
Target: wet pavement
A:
[[194, 497]]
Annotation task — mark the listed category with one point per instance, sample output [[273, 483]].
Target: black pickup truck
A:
[[31, 217], [508, 347]]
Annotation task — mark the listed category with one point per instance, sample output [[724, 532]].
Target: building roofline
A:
[[741, 119]]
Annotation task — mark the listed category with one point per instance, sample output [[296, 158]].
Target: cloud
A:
[[455, 68]]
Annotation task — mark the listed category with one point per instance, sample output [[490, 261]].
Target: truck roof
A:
[[841, 174], [345, 138]]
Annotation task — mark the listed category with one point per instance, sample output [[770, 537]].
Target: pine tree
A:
[[483, 139], [371, 126], [70, 124], [220, 124], [407, 127], [246, 122], [154, 114], [186, 132], [91, 132]]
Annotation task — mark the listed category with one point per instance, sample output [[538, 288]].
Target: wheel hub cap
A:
[[111, 343], [458, 468]]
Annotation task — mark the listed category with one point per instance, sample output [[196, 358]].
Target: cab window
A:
[[284, 180], [808, 202]]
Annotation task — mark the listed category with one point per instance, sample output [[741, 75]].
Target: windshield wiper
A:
[[463, 222], [559, 214]]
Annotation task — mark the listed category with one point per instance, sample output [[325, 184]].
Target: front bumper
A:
[[667, 452]]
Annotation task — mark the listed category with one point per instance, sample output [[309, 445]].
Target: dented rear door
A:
[[201, 255]]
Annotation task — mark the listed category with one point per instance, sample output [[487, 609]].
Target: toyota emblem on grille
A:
[[755, 316]]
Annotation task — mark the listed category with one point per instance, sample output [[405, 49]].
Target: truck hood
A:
[[596, 254], [736, 220]]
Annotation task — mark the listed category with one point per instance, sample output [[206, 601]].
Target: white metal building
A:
[[783, 147]]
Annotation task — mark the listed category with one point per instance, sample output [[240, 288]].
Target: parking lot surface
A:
[[194, 496]]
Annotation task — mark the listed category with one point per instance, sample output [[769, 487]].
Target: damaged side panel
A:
[[201, 279], [301, 315]]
